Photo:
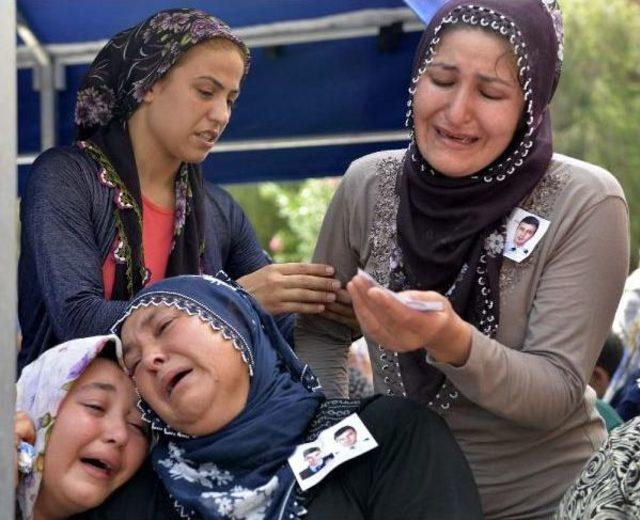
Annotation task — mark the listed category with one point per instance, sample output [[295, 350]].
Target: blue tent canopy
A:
[[307, 108]]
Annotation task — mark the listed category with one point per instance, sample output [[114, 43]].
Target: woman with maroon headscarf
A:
[[507, 359]]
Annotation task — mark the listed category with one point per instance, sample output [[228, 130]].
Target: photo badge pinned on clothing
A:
[[524, 231], [313, 461]]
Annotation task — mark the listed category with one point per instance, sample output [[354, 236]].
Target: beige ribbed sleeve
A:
[[539, 385], [342, 243]]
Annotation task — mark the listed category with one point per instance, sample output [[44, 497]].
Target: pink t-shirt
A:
[[157, 236]]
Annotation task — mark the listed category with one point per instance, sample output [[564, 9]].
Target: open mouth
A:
[[208, 137], [98, 464], [458, 138], [175, 380]]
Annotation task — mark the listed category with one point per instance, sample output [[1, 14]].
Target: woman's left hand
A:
[[390, 323]]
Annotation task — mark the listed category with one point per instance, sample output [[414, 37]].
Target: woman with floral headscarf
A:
[[89, 436], [127, 204], [228, 402], [507, 359]]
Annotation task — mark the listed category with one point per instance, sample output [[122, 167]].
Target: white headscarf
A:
[[43, 385]]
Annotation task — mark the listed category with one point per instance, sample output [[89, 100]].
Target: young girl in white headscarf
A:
[[77, 410]]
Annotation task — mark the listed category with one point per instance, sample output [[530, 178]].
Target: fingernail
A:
[[335, 286], [331, 297], [330, 270]]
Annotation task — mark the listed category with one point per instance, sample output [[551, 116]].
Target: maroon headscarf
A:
[[452, 230]]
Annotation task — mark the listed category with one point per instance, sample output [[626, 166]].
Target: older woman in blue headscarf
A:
[[228, 402]]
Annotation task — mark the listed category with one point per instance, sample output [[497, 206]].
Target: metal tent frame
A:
[[8, 254], [49, 63]]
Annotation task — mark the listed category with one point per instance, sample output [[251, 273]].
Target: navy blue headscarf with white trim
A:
[[240, 471]]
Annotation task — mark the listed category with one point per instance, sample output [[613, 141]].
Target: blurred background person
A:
[[607, 363]]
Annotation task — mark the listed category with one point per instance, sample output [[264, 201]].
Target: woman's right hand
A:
[[294, 287], [23, 431], [444, 334]]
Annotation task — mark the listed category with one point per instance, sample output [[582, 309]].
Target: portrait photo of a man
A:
[[346, 437], [315, 461], [524, 231], [527, 227]]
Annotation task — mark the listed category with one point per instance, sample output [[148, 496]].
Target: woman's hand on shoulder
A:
[[293, 287], [397, 327], [23, 431]]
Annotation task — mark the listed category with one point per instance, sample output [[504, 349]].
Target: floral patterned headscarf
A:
[[133, 60], [40, 390], [122, 72]]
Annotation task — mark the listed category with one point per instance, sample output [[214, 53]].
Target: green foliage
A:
[[596, 110], [303, 207], [286, 215], [261, 211]]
